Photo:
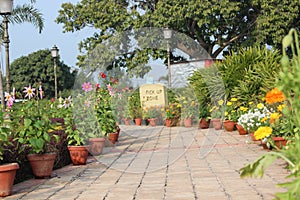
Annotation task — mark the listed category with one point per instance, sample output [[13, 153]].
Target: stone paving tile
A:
[[162, 163]]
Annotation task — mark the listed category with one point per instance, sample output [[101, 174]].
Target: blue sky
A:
[[25, 39]]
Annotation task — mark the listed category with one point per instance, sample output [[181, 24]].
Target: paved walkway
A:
[[162, 163]]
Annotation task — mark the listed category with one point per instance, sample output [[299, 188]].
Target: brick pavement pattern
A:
[[162, 163]]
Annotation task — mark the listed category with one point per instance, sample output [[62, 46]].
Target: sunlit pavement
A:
[[162, 163]]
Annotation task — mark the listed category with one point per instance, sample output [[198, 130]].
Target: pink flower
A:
[[29, 91], [119, 95], [109, 87], [87, 86], [87, 103], [9, 99], [111, 93]]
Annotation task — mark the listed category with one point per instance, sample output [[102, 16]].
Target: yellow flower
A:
[[220, 102], [233, 99], [242, 108], [226, 113], [178, 105], [264, 119], [185, 102], [193, 103], [280, 107], [274, 116], [260, 106], [229, 103], [250, 103], [262, 132]]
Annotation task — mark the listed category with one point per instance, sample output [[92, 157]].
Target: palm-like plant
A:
[[22, 13]]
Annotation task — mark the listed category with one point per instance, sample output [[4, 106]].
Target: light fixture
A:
[[168, 36], [54, 53], [6, 7]]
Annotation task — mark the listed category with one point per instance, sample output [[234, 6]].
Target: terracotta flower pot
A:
[[152, 121], [96, 146], [7, 177], [41, 164], [127, 121], [113, 137], [78, 154], [217, 124], [264, 145], [228, 125], [203, 124], [241, 130], [138, 121], [168, 122], [252, 137], [279, 142], [188, 122]]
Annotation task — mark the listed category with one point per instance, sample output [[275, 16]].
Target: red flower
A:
[[102, 75]]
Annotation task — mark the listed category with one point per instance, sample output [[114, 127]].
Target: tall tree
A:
[[215, 25], [38, 68]]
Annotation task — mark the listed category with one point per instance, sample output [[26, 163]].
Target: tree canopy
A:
[[213, 24], [38, 68]]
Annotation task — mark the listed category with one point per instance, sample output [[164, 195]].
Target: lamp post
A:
[[54, 53], [167, 36], [6, 7]]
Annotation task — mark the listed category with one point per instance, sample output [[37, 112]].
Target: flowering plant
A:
[[103, 104], [231, 110], [188, 108], [30, 121], [172, 111], [217, 110], [151, 112], [254, 118]]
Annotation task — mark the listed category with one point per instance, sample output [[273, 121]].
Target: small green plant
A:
[[135, 108]]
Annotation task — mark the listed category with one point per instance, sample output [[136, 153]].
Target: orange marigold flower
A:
[[274, 96]]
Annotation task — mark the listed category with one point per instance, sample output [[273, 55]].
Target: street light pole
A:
[[169, 64], [6, 7], [168, 36], [54, 53]]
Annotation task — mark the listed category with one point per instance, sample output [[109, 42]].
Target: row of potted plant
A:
[[31, 125]]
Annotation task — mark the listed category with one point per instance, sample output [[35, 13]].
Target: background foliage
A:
[[38, 68]]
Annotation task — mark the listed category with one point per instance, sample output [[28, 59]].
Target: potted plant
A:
[[204, 116], [171, 114], [7, 170], [126, 116], [151, 114], [230, 115], [217, 113], [103, 109], [32, 127], [76, 142], [135, 108]]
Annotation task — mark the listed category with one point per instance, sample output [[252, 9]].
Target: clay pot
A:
[[113, 137], [203, 124], [241, 130], [96, 146], [228, 125], [217, 124], [279, 142], [168, 122], [188, 122], [152, 121], [41, 164], [127, 121], [78, 154], [138, 121], [7, 177]]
